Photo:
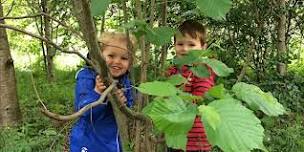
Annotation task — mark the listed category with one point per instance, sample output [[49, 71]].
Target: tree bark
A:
[[9, 108], [83, 15], [281, 31], [50, 51]]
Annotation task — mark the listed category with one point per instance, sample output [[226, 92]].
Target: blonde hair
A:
[[106, 39]]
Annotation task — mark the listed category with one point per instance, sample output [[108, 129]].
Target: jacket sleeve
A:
[[85, 94]]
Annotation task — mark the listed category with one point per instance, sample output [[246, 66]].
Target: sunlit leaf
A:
[[177, 79], [219, 68], [173, 117], [200, 71], [217, 91], [211, 115], [98, 7], [239, 129], [176, 140], [160, 35], [193, 56], [188, 97], [216, 9], [257, 99], [157, 88]]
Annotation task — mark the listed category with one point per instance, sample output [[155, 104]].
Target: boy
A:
[[96, 130], [192, 35]]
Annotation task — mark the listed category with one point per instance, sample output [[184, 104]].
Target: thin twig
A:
[[77, 114], [47, 41], [11, 8], [48, 16]]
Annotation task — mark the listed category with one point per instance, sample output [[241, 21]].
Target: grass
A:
[[36, 132]]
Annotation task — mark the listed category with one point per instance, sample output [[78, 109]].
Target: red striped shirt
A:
[[197, 139]]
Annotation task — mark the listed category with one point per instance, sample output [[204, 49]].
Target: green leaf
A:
[[188, 97], [200, 71], [157, 88], [176, 140], [98, 7], [173, 117], [218, 67], [193, 56], [211, 115], [239, 129], [160, 35], [216, 9], [177, 79], [217, 91], [257, 99], [137, 27]]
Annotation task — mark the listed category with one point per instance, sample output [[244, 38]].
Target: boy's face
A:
[[183, 44], [117, 58]]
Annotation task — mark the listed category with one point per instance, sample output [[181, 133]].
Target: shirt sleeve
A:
[[85, 94]]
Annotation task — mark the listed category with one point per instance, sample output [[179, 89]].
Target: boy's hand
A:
[[121, 97], [99, 85]]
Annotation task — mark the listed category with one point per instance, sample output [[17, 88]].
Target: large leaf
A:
[[257, 99], [176, 140], [98, 7], [217, 91], [193, 56], [160, 35], [211, 115], [173, 117], [219, 68], [200, 71], [177, 79], [239, 129], [137, 27], [188, 97], [216, 9], [157, 88]]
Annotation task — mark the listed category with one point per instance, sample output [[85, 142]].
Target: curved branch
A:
[[82, 110]]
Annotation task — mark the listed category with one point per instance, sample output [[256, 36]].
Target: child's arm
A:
[[86, 94]]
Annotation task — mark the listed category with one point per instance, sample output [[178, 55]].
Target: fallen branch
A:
[[80, 112]]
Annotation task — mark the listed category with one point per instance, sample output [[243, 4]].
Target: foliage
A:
[[216, 9], [37, 133], [227, 122]]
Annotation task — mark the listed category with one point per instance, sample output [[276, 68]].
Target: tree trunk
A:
[[9, 108], [281, 30], [50, 52]]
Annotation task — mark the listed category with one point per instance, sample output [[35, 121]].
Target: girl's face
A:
[[117, 58]]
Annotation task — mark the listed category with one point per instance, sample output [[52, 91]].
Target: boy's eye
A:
[[179, 44], [192, 45], [111, 55]]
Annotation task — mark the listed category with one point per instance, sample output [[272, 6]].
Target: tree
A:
[[9, 108]]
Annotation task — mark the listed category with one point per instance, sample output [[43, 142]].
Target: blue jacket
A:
[[96, 130]]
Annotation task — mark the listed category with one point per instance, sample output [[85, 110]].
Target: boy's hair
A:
[[193, 29]]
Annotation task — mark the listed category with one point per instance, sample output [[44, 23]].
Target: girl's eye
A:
[[180, 44], [124, 58], [111, 55]]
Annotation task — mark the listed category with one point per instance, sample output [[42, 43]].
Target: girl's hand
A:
[[99, 85], [121, 97]]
